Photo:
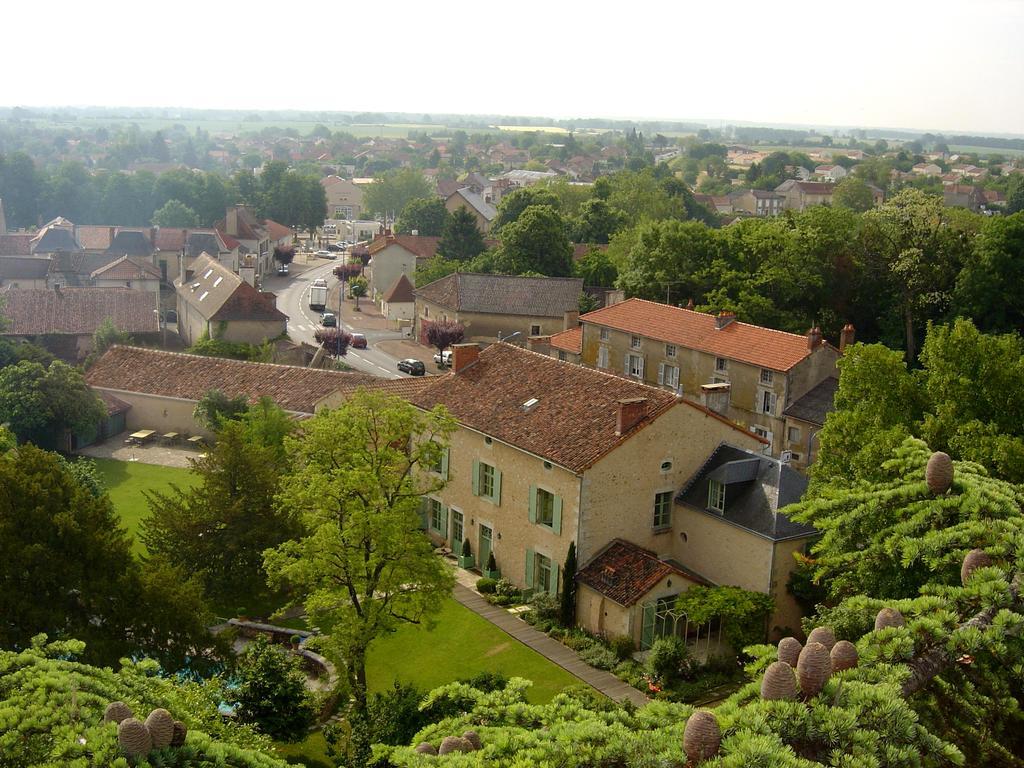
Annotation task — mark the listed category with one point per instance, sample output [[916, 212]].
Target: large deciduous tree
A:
[[515, 203], [988, 288], [444, 333], [363, 567], [389, 194], [271, 692], [461, 239], [39, 404], [535, 242], [175, 214], [424, 216], [853, 193]]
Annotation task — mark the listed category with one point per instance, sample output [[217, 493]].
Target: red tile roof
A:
[[745, 343], [277, 231], [423, 246], [569, 341], [401, 291], [624, 572], [189, 377], [573, 423], [79, 311], [16, 245], [93, 237], [127, 268]]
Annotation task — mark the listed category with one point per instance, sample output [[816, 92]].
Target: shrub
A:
[[622, 645], [486, 586], [506, 588], [487, 681], [667, 658], [545, 606], [395, 715], [467, 550], [600, 656]]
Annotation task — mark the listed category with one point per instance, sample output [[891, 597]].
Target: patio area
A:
[[155, 450]]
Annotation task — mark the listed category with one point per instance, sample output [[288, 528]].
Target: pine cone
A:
[[813, 669], [426, 748], [889, 617], [474, 739], [789, 650], [161, 728], [779, 682], [976, 558], [134, 738], [180, 732], [116, 711], [702, 737], [843, 655], [454, 744], [823, 635], [939, 473]]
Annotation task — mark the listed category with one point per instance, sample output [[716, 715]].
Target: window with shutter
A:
[[661, 373], [602, 357]]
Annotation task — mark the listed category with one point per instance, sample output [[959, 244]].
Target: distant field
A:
[[965, 148], [126, 480], [530, 128], [231, 127]]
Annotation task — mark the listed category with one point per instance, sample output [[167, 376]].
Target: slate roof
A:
[[477, 202], [572, 424], [127, 268], [745, 343], [807, 187], [78, 311], [217, 293], [189, 377], [756, 488], [504, 294], [54, 240], [624, 572], [816, 404], [401, 291], [130, 242], [16, 245], [23, 268], [569, 341]]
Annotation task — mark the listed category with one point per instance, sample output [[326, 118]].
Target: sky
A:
[[943, 65]]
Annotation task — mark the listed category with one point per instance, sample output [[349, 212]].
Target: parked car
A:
[[282, 270], [328, 320], [325, 255], [412, 367], [358, 341], [443, 359]]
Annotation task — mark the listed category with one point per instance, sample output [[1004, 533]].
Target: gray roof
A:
[[203, 242], [816, 404], [505, 294], [129, 242], [23, 268], [756, 487], [482, 207], [56, 239], [76, 269]]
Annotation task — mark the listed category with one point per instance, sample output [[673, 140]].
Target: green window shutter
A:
[[497, 486], [529, 569], [647, 630], [533, 503], [554, 578], [444, 464], [444, 522], [556, 521], [476, 477], [423, 513]]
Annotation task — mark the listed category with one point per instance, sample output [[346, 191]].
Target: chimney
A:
[[813, 338], [463, 356], [541, 344], [231, 221], [629, 413], [722, 319], [846, 337], [570, 319], [113, 233]]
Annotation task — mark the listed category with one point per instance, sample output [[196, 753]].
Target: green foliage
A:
[[461, 240], [597, 222], [668, 659], [596, 268], [486, 586], [434, 269], [535, 242], [106, 336], [853, 193], [271, 692], [215, 409], [743, 613], [174, 214], [233, 350], [390, 193], [52, 708], [512, 205], [426, 215], [988, 287], [395, 714], [39, 403]]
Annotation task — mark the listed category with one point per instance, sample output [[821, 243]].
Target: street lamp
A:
[[510, 336]]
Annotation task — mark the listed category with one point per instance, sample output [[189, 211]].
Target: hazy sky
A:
[[944, 64]]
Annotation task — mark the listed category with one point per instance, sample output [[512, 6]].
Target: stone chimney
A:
[[629, 413], [231, 221], [722, 319], [463, 356], [846, 337], [570, 319], [813, 338], [540, 344]]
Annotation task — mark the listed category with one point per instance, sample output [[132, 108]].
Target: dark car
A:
[[358, 341], [328, 320], [412, 367]]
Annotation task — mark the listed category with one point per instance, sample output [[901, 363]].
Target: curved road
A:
[[293, 299]]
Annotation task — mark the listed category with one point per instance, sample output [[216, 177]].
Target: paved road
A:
[[293, 299]]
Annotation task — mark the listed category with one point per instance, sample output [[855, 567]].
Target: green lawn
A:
[[461, 645], [126, 480]]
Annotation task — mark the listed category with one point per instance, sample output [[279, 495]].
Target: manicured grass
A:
[[310, 752], [460, 646], [126, 480]]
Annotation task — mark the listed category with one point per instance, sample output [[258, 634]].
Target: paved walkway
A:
[[151, 453], [554, 651]]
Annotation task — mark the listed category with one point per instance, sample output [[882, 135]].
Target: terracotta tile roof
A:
[[127, 268], [401, 291], [422, 246], [78, 311], [277, 231], [745, 343], [624, 572], [16, 245], [568, 341], [572, 424], [189, 377], [93, 237], [505, 294]]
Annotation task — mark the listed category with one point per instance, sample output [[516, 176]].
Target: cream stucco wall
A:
[[387, 264], [164, 414], [456, 201], [603, 616], [482, 326]]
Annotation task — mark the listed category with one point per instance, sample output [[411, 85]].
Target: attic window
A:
[[205, 294], [716, 496], [217, 281], [530, 404], [547, 465], [195, 285], [488, 441], [208, 273]]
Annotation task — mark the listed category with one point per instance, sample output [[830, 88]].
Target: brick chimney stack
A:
[[570, 319], [846, 337], [813, 338], [463, 356], [722, 319], [629, 413]]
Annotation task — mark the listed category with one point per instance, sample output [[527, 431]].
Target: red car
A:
[[358, 341]]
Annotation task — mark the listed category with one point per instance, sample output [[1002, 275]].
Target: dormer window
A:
[[716, 496]]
